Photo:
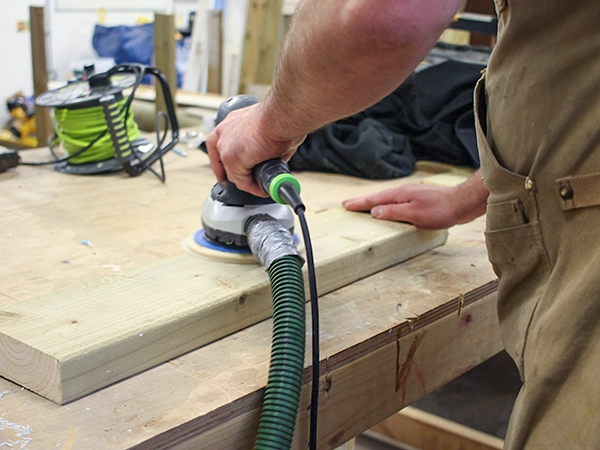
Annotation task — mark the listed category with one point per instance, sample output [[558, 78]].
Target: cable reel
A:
[[94, 123]]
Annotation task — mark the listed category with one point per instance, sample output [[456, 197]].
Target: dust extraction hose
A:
[[273, 245]]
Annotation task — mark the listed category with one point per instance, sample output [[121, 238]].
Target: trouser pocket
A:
[[514, 242], [517, 254]]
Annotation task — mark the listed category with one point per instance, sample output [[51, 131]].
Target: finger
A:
[[249, 184], [215, 159], [409, 213], [356, 204], [367, 202], [399, 212]]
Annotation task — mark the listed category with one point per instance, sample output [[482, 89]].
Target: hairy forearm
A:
[[471, 198], [341, 56]]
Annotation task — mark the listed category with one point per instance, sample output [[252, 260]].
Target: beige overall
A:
[[538, 111]]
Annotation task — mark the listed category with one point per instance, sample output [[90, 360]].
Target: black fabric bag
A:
[[428, 117]]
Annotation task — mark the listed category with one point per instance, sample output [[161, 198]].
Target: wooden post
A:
[[43, 122], [350, 445], [426, 431], [195, 78], [215, 45], [261, 44], [113, 315], [164, 55]]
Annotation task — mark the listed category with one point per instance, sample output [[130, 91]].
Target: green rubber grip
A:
[[276, 184]]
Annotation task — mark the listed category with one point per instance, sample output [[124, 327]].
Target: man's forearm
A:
[[471, 198], [341, 56], [338, 58]]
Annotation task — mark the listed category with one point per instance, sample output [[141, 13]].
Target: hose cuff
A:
[[269, 240]]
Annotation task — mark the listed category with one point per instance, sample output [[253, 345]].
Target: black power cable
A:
[[314, 304]]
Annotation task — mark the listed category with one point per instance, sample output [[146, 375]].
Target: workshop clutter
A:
[[21, 127], [135, 44], [429, 117]]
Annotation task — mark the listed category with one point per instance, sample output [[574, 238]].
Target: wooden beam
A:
[[215, 49], [264, 29], [195, 78], [350, 445], [164, 55], [74, 341], [368, 382], [429, 432], [43, 122], [183, 98]]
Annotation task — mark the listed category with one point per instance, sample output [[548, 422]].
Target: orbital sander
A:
[[241, 227], [227, 211]]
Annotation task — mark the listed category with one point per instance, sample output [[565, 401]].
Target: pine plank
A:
[[427, 431], [40, 72], [164, 55], [198, 66], [210, 398], [71, 342], [366, 382], [264, 31], [215, 47]]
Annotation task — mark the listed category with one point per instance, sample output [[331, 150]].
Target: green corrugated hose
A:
[[282, 394], [83, 127]]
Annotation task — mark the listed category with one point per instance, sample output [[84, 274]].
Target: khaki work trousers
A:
[[543, 239]]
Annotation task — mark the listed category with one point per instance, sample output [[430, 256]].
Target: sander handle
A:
[[275, 179], [273, 176]]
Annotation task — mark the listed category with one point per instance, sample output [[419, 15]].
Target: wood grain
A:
[[214, 393], [71, 342], [264, 31], [164, 56], [43, 121], [426, 431]]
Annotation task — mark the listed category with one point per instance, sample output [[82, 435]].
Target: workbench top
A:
[[386, 340]]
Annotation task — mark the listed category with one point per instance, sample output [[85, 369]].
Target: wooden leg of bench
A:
[[350, 445], [429, 432]]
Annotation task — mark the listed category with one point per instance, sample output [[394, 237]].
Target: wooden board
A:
[[214, 394], [184, 98], [215, 50], [68, 343], [264, 31], [426, 431], [366, 382], [43, 122], [195, 78], [164, 56], [217, 389]]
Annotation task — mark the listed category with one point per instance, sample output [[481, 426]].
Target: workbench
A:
[[386, 340]]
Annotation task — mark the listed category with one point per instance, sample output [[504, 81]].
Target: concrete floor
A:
[[481, 399]]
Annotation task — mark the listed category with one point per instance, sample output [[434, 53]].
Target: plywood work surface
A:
[[430, 318]]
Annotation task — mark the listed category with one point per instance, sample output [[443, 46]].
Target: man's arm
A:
[[338, 58], [426, 206]]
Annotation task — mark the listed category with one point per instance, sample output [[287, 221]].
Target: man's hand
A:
[[239, 143], [426, 206]]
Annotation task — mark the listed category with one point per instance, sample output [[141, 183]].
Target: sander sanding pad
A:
[[198, 244]]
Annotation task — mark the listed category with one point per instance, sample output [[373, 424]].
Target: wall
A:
[[15, 58], [70, 35], [69, 40]]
